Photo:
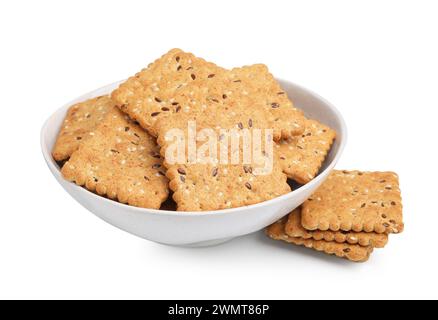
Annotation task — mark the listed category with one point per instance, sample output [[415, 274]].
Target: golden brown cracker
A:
[[179, 82], [160, 90], [353, 253], [355, 201], [78, 124], [302, 156], [294, 229], [120, 161], [217, 185]]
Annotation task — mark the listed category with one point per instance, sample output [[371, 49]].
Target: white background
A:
[[375, 60]]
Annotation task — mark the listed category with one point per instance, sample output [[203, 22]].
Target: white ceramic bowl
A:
[[199, 228]]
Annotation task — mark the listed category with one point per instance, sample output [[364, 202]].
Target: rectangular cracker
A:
[[78, 124], [302, 156], [355, 201], [294, 229], [215, 185], [157, 91], [351, 252], [121, 161], [180, 82]]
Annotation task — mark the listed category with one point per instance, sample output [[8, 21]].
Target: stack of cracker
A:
[[116, 145], [352, 213]]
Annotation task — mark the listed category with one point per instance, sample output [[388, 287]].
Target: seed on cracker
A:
[[302, 156], [216, 185], [120, 161], [351, 252], [355, 201], [78, 125], [179, 82], [294, 229]]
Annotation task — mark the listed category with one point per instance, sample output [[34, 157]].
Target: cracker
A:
[[157, 91], [302, 156], [216, 185], [180, 82], [355, 201], [353, 253], [78, 124], [120, 161], [294, 229]]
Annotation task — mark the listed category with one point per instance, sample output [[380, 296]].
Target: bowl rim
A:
[[47, 154]]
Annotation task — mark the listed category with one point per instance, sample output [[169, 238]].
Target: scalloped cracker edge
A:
[[353, 253], [294, 229]]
